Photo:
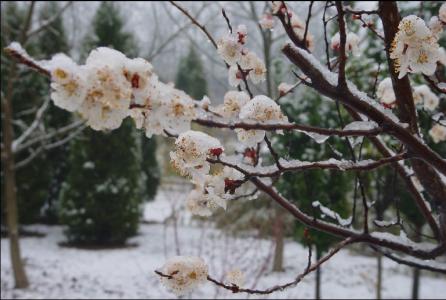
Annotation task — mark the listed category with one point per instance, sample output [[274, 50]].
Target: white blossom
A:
[[414, 48], [138, 72], [351, 43], [234, 76], [233, 102], [442, 56], [109, 93], [267, 21], [200, 204], [68, 86], [423, 94], [442, 13], [236, 277], [229, 49], [438, 133], [242, 33], [436, 26], [260, 109], [385, 92], [185, 274], [192, 148]]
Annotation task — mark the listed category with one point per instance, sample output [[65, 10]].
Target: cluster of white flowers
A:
[[104, 90], [423, 95], [212, 192], [351, 43], [438, 133], [233, 101], [260, 109], [192, 148], [415, 47], [183, 274], [242, 62]]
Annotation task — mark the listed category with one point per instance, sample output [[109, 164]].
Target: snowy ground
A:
[[60, 272], [57, 272]]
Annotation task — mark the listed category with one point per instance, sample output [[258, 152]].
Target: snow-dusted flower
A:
[[205, 102], [192, 148], [234, 76], [212, 192], [200, 204], [284, 88], [442, 13], [351, 43], [258, 70], [242, 34], [414, 48], [229, 49], [68, 86], [185, 274], [436, 26], [267, 21], [109, 93], [438, 133], [385, 93], [138, 72], [442, 56], [423, 94], [233, 102], [260, 109], [235, 277], [255, 67]]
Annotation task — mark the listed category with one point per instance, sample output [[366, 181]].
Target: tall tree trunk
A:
[[379, 276], [279, 235], [21, 281], [318, 276], [416, 271]]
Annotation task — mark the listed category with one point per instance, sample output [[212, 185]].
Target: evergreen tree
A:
[[53, 41], [328, 187], [102, 196], [190, 76]]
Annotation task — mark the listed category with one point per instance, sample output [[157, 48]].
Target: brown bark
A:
[[21, 280], [279, 239], [388, 11]]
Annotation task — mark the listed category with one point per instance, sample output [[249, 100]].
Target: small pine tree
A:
[[190, 76], [53, 41], [102, 196]]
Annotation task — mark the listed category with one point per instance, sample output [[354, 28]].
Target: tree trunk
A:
[[21, 281], [379, 276], [278, 234], [416, 271], [318, 276]]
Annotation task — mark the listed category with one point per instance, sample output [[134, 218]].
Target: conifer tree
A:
[[190, 76], [102, 196]]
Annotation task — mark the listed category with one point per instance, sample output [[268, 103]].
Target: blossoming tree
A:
[[110, 87]]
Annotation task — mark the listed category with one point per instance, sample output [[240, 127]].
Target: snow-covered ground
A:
[[58, 272]]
